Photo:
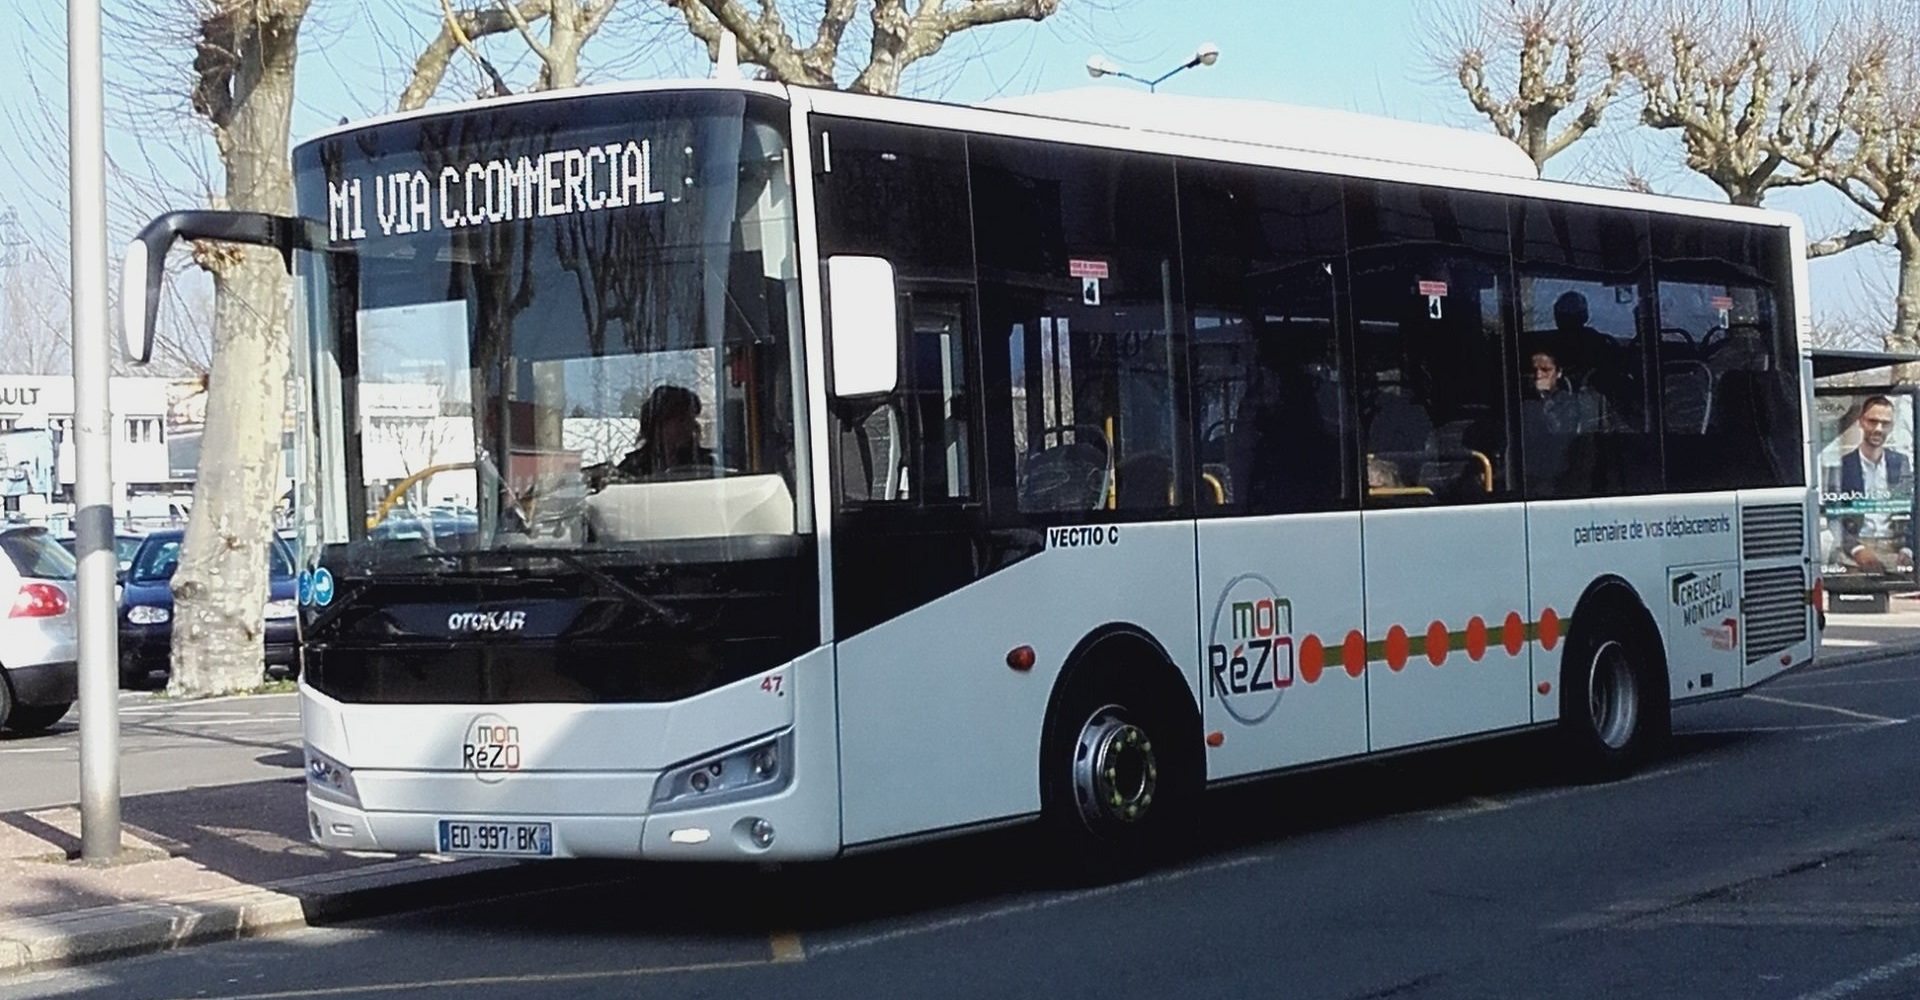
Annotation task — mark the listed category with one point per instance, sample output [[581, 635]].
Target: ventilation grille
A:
[[1775, 529], [1774, 605]]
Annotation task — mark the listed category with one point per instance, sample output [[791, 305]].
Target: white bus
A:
[[770, 473]]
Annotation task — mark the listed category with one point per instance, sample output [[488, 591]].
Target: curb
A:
[[1874, 654], [120, 930]]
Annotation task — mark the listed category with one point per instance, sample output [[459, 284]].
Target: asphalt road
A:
[[165, 746], [1774, 854]]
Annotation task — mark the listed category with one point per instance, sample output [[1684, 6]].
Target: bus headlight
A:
[[759, 768], [329, 779]]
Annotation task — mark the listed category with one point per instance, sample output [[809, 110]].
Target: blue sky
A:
[[1354, 55]]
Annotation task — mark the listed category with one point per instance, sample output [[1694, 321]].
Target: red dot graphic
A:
[[1549, 629], [1354, 653], [1396, 647], [1513, 634], [1437, 643], [1476, 638], [1313, 658]]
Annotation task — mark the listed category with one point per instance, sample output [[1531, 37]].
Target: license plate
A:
[[532, 840]]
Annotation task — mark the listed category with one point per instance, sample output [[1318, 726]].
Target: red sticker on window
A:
[[1087, 268], [1433, 287], [1723, 302]]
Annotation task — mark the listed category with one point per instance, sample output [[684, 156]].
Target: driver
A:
[[669, 435]]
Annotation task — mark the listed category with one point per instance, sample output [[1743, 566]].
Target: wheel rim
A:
[[1613, 696], [1115, 773]]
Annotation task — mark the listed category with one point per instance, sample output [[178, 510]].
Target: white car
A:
[[38, 649]]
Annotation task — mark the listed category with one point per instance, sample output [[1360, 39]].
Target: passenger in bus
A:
[[669, 436], [1561, 408]]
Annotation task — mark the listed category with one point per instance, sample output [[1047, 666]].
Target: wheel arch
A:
[[1609, 594], [1132, 655]]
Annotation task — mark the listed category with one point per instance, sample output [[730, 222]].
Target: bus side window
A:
[[1586, 343], [900, 192], [1263, 249], [1430, 299], [1077, 252], [1730, 374]]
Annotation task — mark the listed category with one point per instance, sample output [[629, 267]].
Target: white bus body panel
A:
[[590, 770], [1650, 543], [1294, 701], [940, 732], [1449, 565]]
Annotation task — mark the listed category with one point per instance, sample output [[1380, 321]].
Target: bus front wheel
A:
[[1118, 788], [1613, 693]]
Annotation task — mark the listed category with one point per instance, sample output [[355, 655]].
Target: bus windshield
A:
[[558, 327]]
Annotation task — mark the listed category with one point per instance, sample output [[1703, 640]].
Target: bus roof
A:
[[1268, 133], [1282, 126]]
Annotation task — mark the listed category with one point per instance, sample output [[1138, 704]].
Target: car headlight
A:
[[330, 779], [759, 768], [282, 608], [148, 614]]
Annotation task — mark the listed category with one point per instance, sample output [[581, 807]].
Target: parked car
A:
[[125, 544], [39, 678], [146, 610]]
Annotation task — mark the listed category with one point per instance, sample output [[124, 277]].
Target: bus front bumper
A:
[[782, 827], [585, 781]]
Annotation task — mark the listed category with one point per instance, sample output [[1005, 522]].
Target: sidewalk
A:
[[198, 865]]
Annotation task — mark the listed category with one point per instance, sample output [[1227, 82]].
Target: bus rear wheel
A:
[[1116, 791], [1613, 699]]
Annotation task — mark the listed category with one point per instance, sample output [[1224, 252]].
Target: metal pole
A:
[[93, 474]]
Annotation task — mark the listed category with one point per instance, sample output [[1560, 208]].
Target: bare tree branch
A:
[[1523, 64]]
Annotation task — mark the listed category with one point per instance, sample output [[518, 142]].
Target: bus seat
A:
[[691, 508]]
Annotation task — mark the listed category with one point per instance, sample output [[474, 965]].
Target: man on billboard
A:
[[1878, 476]]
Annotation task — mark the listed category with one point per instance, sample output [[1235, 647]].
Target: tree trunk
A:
[[1905, 336], [220, 590], [563, 66]]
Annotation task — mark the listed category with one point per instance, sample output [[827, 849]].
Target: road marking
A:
[[1015, 909], [36, 749], [1850, 713], [1847, 643], [1810, 726], [1854, 984], [1843, 684], [527, 978], [787, 948]]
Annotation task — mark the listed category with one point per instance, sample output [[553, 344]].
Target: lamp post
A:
[[1206, 55]]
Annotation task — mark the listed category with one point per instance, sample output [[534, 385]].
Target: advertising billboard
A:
[[1864, 441]]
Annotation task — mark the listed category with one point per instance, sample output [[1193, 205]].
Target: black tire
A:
[[1120, 774], [29, 719], [6, 700], [1614, 711]]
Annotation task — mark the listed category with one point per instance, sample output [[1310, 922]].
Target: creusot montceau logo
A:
[[486, 621]]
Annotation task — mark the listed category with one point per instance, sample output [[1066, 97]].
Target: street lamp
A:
[[1206, 55]]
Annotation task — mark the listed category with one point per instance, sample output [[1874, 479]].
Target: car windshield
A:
[[35, 554], [158, 558]]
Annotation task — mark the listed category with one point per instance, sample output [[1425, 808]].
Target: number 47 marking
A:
[[772, 683]]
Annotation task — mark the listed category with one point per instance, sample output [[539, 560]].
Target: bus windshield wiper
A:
[[463, 560]]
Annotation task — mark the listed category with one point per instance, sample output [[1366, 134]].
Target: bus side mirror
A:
[[863, 316], [143, 272]]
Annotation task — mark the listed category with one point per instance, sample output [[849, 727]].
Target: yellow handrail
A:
[[1219, 488], [394, 495]]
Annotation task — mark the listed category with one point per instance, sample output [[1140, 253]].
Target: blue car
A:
[[146, 611]]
